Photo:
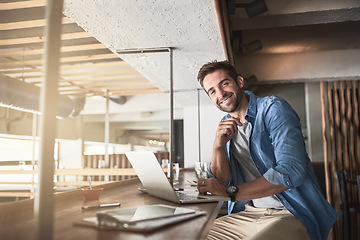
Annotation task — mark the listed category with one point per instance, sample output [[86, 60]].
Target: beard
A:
[[236, 98]]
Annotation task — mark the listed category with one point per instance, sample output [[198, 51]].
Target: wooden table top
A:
[[17, 218]]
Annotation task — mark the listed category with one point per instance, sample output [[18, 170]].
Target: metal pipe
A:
[[34, 139], [107, 134], [107, 130], [199, 125], [44, 197], [172, 134], [143, 50]]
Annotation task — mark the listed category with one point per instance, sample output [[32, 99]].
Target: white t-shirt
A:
[[240, 149]]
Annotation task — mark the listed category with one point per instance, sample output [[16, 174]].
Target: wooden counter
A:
[[17, 218]]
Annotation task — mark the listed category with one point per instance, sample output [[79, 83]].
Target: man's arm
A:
[[219, 161], [247, 191], [258, 188]]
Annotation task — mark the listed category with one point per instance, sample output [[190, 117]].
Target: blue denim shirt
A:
[[277, 148]]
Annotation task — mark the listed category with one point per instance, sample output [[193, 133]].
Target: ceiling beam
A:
[[295, 19]]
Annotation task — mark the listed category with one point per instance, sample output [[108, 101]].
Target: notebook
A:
[[157, 184]]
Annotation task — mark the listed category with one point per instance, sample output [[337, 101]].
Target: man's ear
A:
[[240, 81]]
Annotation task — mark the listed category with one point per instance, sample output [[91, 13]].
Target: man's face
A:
[[224, 91]]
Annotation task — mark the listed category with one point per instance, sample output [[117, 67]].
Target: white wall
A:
[[70, 153], [210, 116], [314, 121]]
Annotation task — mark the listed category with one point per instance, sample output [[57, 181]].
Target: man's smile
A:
[[225, 99]]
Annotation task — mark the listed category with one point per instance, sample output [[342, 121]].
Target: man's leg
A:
[[278, 225], [259, 224], [237, 225]]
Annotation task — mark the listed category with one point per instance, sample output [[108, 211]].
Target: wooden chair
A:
[[345, 206]]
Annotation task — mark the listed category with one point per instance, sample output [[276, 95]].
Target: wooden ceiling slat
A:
[[116, 63], [122, 82], [125, 87], [104, 86], [137, 92], [88, 73], [62, 60], [115, 93], [133, 87], [90, 81], [63, 49], [30, 24], [102, 72], [41, 39], [22, 4], [92, 77]]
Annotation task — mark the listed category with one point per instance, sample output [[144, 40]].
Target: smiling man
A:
[[259, 160]]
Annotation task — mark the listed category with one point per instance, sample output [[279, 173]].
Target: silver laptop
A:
[[157, 184]]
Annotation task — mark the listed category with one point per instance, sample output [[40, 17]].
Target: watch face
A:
[[231, 189]]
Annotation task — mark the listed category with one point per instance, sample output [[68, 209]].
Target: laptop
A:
[[157, 184]]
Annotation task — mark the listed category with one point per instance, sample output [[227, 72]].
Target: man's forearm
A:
[[258, 188], [219, 164]]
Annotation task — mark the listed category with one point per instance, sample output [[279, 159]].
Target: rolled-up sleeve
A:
[[278, 178], [288, 144]]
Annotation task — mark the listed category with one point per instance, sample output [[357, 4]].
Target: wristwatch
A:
[[231, 191]]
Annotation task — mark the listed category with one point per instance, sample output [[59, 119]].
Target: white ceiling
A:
[[190, 27], [291, 30]]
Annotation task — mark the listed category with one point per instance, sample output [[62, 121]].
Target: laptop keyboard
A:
[[184, 196]]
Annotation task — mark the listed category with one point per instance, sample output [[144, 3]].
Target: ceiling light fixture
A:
[[19, 95], [250, 83], [252, 9], [250, 47], [253, 46]]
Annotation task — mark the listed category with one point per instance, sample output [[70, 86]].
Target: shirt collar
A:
[[252, 107]]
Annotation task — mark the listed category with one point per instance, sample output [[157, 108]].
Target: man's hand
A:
[[225, 131], [212, 186], [219, 161]]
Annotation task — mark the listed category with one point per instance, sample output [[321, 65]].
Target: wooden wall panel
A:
[[340, 113]]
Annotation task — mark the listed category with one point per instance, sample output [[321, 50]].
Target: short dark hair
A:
[[213, 66]]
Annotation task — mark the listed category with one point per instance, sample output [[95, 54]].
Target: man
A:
[[259, 160]]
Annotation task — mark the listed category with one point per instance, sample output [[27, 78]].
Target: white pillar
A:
[[44, 197]]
